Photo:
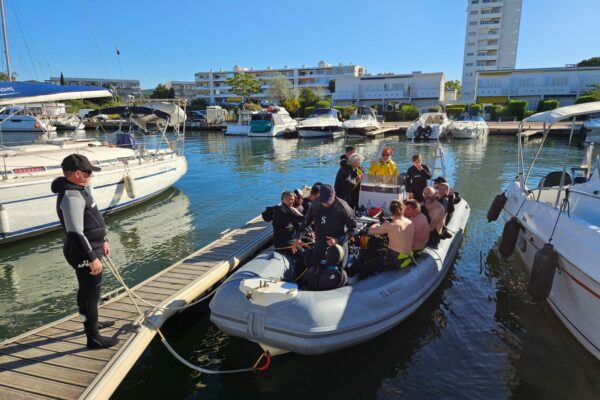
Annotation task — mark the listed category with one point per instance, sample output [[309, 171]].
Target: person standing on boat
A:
[[399, 254], [344, 157], [314, 194], [85, 243], [416, 178], [412, 210], [384, 166], [437, 215], [333, 223], [348, 179]]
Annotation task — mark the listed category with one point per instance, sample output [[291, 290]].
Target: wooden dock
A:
[[52, 362]]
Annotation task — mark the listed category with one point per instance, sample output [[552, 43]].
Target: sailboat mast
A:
[[5, 40]]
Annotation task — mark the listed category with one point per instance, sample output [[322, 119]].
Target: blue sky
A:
[[171, 40]]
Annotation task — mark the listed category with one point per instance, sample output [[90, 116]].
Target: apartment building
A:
[[123, 87], [211, 85], [421, 89], [535, 84], [491, 40], [182, 89]]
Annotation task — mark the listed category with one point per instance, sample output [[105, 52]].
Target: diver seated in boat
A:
[[399, 254], [412, 210], [436, 213], [333, 222], [384, 166]]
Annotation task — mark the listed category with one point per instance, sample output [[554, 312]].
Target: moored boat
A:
[[361, 122], [321, 123], [276, 121], [468, 127], [554, 229], [242, 127], [433, 125], [591, 126]]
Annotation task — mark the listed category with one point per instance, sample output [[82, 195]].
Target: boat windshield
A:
[[363, 113], [261, 117], [323, 112]]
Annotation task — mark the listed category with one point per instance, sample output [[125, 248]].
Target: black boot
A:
[[105, 324], [95, 341]]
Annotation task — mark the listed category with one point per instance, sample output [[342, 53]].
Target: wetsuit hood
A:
[[61, 184]]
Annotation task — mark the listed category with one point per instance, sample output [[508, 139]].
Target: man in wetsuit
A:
[[333, 223], [416, 178], [314, 193], [286, 220], [348, 179], [85, 243]]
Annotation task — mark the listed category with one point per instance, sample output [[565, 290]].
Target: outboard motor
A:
[[545, 264], [509, 238], [496, 207]]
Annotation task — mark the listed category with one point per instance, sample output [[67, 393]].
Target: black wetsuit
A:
[[416, 181], [85, 235], [336, 221], [285, 226], [345, 183]]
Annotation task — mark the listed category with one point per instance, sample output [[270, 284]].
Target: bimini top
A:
[[561, 113], [22, 92], [130, 111]]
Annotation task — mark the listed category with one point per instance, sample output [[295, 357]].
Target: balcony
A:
[[489, 47], [380, 94], [490, 36], [344, 95]]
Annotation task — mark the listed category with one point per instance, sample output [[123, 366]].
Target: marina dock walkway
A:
[[52, 362]]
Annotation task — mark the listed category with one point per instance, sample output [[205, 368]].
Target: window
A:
[[473, 12], [469, 64], [471, 44], [474, 1], [472, 23], [470, 54], [472, 33]]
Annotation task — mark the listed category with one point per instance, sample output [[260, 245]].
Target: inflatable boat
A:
[[261, 302]]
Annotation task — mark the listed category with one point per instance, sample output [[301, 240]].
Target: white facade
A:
[[491, 39], [182, 89], [420, 89], [211, 85], [563, 84], [123, 87]]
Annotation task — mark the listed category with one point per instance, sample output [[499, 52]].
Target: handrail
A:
[[592, 195]]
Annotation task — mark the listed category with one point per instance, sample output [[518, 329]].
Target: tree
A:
[[244, 85], [590, 62], [309, 97], [4, 76], [291, 105], [455, 84], [595, 92], [281, 90], [331, 86], [62, 79], [161, 92]]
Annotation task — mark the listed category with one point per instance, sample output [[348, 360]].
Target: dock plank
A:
[[46, 371], [12, 394], [54, 358], [39, 386], [165, 285], [63, 347]]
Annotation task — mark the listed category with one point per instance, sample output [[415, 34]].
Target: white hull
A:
[[237, 130], [575, 294], [31, 206], [308, 133], [437, 131], [468, 130], [25, 123]]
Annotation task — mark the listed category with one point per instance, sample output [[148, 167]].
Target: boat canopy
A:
[[324, 111], [23, 92], [561, 113], [129, 111]]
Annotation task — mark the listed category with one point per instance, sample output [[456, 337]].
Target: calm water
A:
[[477, 337]]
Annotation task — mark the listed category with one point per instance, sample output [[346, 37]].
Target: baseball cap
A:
[[326, 194], [298, 192], [77, 162], [440, 179]]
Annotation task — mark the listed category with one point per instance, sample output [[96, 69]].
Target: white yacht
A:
[[132, 171], [592, 128], [242, 127], [468, 127], [555, 230], [361, 122], [19, 119], [276, 121], [429, 126], [321, 123], [68, 122]]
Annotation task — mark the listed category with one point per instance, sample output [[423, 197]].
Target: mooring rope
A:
[[113, 269]]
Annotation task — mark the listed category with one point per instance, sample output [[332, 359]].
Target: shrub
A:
[[291, 105], [516, 108], [346, 111], [454, 111], [529, 113], [435, 109], [393, 116], [409, 112], [308, 110], [585, 99], [324, 103], [495, 110], [547, 104], [475, 109]]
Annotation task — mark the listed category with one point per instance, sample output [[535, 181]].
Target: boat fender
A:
[[4, 223], [509, 237], [496, 207], [129, 186], [545, 264]]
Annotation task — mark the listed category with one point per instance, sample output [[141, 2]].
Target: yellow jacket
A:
[[381, 167]]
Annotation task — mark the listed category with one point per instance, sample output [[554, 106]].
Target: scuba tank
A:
[[545, 264], [496, 207], [509, 237]]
